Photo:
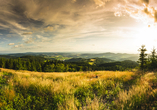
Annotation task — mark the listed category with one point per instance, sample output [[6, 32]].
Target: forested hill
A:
[[123, 65], [66, 56], [92, 61], [38, 63], [36, 58]]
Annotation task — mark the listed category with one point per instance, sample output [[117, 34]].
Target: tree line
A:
[[148, 62], [46, 65]]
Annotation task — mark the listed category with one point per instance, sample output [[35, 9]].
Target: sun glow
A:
[[147, 36]]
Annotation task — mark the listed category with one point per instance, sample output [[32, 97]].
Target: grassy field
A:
[[24, 90]]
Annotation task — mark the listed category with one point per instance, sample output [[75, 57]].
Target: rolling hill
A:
[[66, 56]]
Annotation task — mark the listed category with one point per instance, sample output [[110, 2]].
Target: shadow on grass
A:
[[133, 81]]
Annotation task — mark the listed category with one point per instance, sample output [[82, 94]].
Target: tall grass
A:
[[23, 90]]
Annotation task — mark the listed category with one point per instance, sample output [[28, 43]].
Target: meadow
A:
[[110, 90]]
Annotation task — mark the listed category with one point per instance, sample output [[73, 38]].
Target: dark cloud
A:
[[49, 28], [65, 12], [18, 7], [27, 33], [32, 14], [145, 1], [146, 11], [155, 16], [149, 13], [19, 15]]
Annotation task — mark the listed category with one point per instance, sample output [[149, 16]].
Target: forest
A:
[[41, 64]]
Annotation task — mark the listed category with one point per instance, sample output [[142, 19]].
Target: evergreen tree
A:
[[24, 65], [153, 59], [39, 69], [2, 62], [7, 63], [19, 64], [11, 63], [142, 59], [59, 67], [66, 68], [28, 64], [49, 68], [33, 66]]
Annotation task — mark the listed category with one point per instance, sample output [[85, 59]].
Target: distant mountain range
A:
[[73, 56]]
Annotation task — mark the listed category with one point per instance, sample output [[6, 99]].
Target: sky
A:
[[119, 26]]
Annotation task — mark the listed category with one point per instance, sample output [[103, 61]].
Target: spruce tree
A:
[[11, 65], [19, 64], [142, 59], [153, 59], [28, 64], [39, 69]]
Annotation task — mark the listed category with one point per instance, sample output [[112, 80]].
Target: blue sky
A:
[[119, 26]]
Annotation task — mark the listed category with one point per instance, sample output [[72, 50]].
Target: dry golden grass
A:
[[9, 93], [29, 73], [71, 103], [63, 82], [67, 82], [63, 74], [142, 88], [92, 104], [134, 91], [67, 78]]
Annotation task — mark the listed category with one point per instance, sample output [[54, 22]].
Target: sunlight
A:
[[147, 36]]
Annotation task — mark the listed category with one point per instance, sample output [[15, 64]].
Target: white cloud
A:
[[43, 39], [30, 40], [15, 24], [142, 10], [11, 44], [16, 46], [100, 3], [118, 14], [21, 45]]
